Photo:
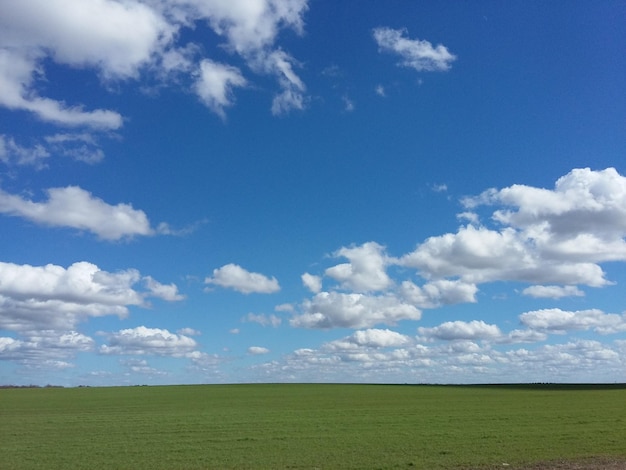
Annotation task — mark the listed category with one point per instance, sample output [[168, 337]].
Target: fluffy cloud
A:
[[560, 321], [233, 276], [120, 39], [76, 208], [115, 37], [36, 298], [417, 54], [460, 330], [549, 237], [371, 338], [263, 320], [583, 218], [479, 254], [215, 83], [355, 310], [312, 282], [148, 341], [167, 292], [366, 270], [251, 29], [437, 293], [45, 349], [462, 360], [257, 350], [553, 292]]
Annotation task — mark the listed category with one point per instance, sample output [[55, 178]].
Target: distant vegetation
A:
[[306, 426], [30, 386]]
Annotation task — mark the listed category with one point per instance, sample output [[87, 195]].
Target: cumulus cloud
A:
[[414, 53], [215, 83], [51, 297], [439, 292], [114, 37], [76, 208], [251, 30], [479, 254], [233, 276], [45, 349], [365, 271], [354, 310], [263, 320], [556, 320], [582, 219], [122, 39], [553, 292], [460, 330], [370, 338], [148, 341], [312, 282], [257, 350], [167, 292]]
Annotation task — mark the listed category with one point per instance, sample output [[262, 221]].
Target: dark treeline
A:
[[31, 386]]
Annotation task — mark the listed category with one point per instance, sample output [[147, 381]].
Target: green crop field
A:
[[306, 426]]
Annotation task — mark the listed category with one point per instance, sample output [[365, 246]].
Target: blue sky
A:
[[290, 190]]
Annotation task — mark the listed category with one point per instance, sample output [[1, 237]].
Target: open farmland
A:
[[310, 426]]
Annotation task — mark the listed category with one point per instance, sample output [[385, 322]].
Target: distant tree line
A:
[[31, 386]]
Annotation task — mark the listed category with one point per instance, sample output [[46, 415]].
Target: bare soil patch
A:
[[593, 463]]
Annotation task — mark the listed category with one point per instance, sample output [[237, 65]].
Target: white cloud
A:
[[371, 338], [36, 298], [264, 320], [284, 308], [76, 208], [121, 39], [257, 350], [556, 320], [437, 293], [215, 83], [380, 90], [312, 282], [12, 153], [167, 292], [457, 330], [366, 270], [148, 341], [233, 276], [251, 29], [417, 54], [16, 77], [117, 37], [248, 25], [81, 147], [572, 361], [582, 219], [189, 332], [45, 349], [339, 310], [553, 292], [292, 96], [479, 254]]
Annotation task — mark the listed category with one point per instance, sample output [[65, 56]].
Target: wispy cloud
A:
[[414, 53], [233, 276]]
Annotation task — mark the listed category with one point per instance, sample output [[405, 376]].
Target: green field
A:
[[308, 426]]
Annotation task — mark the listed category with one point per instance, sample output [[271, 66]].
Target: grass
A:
[[306, 426]]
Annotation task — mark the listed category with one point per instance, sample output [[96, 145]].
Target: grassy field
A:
[[277, 426]]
